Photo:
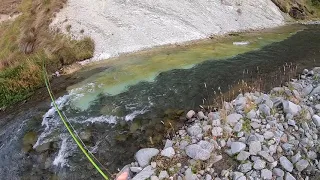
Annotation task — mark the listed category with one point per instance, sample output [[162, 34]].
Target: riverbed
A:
[[132, 103]]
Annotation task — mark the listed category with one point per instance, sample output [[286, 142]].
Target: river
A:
[[130, 104]]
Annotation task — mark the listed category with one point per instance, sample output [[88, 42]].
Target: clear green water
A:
[[146, 66]]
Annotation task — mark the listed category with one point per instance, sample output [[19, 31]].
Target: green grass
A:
[[26, 41]]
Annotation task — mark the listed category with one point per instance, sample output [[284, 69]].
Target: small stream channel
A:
[[131, 104]]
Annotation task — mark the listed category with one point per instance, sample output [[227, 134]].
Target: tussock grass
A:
[[25, 42], [311, 8]]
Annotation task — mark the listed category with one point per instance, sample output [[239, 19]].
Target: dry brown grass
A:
[[9, 6], [27, 41], [309, 9]]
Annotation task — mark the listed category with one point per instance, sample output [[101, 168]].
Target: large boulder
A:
[[143, 156]]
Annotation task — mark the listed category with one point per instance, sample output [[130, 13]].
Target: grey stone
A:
[[317, 107], [268, 135], [254, 147], [291, 122], [316, 120], [206, 128], [237, 127], [216, 123], [194, 130], [290, 108], [206, 145], [196, 152], [255, 125], [153, 165], [169, 143], [143, 156], [301, 165], [289, 176], [232, 119], [201, 115], [252, 114], [135, 169], [208, 177], [312, 155], [266, 174], [307, 90], [237, 175], [168, 152], [183, 144], [287, 146], [278, 172], [243, 155], [213, 116], [216, 158], [266, 156], [296, 158], [154, 178], [244, 168], [259, 164], [189, 175], [217, 131], [236, 147], [223, 143], [286, 164], [146, 173], [315, 91], [163, 175], [264, 109], [190, 114]]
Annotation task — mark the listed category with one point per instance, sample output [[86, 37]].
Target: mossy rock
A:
[[43, 147], [29, 138], [26, 148], [134, 126], [121, 137]]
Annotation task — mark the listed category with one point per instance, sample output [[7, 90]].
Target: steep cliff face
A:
[[119, 26]]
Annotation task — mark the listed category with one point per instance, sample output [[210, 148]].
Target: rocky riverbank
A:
[[256, 136]]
